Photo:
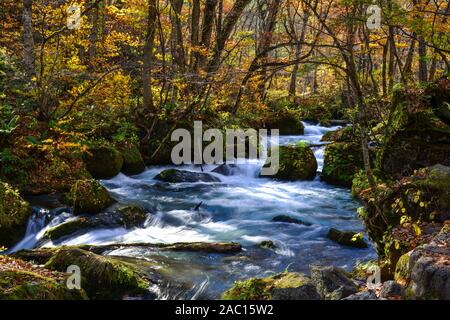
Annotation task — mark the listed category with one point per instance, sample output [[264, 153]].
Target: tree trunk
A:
[[148, 56], [207, 27], [28, 40], [298, 51]]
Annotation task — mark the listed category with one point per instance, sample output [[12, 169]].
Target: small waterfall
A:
[[40, 221]]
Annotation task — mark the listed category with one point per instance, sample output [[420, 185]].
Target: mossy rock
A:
[[133, 163], [415, 137], [14, 215], [284, 286], [402, 269], [345, 134], [103, 162], [268, 244], [125, 216], [89, 196], [179, 176], [342, 161], [24, 285], [347, 238], [296, 163], [287, 121], [102, 277]]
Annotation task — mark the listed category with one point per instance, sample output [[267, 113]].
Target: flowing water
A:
[[240, 209]]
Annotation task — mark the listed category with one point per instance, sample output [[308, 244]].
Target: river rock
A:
[[363, 295], [14, 215], [288, 219], [179, 176], [103, 162], [426, 269], [332, 283], [284, 286], [268, 244], [227, 169], [133, 163], [89, 196], [287, 121], [391, 289], [125, 216], [347, 238], [102, 277], [296, 163]]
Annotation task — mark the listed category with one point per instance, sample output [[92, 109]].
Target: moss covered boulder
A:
[[20, 280], [287, 121], [179, 176], [103, 162], [342, 161], [332, 283], [14, 215], [102, 277], [284, 286], [89, 196], [415, 137], [346, 134], [296, 163], [347, 238], [133, 163], [426, 269], [125, 216]]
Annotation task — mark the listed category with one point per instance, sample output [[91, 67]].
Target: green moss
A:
[[251, 289], [89, 196], [103, 162], [24, 285], [102, 277], [287, 121], [133, 162], [402, 269], [66, 228], [296, 163], [341, 162], [14, 215]]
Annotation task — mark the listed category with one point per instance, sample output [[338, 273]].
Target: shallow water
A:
[[240, 209]]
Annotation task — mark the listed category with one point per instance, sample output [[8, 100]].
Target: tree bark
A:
[[148, 56], [28, 39]]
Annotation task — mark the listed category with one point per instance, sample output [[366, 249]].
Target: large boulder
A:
[[416, 137], [332, 283], [102, 277], [125, 216], [133, 163], [89, 196], [20, 280], [342, 161], [179, 176], [426, 269], [283, 286], [347, 238], [227, 169], [296, 163], [14, 215], [287, 121], [103, 162]]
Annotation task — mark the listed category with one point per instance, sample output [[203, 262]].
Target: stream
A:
[[238, 209]]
